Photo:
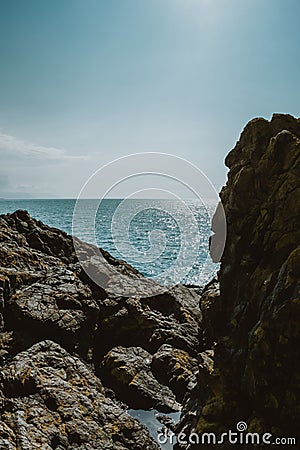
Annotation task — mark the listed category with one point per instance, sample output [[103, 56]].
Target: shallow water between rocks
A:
[[148, 418]]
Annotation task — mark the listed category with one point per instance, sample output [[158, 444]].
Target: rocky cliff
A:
[[254, 319]]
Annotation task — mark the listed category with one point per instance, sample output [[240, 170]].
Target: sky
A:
[[83, 82]]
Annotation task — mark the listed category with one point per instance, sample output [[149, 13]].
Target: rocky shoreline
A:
[[75, 356]]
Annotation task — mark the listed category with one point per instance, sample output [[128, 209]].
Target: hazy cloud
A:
[[12, 148]]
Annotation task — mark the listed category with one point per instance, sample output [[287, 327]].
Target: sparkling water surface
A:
[[155, 236]]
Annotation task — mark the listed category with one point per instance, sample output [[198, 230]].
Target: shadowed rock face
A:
[[255, 319], [60, 333], [129, 371]]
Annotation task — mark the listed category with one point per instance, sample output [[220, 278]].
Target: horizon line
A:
[[97, 198]]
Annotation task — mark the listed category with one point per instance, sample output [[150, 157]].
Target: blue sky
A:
[[85, 81]]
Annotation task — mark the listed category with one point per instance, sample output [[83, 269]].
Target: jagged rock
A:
[[202, 387], [175, 368], [21, 229], [173, 317], [46, 288], [166, 421], [57, 304], [128, 372], [255, 319], [51, 399], [46, 294]]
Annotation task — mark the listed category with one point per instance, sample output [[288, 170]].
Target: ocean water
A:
[[164, 239], [149, 418]]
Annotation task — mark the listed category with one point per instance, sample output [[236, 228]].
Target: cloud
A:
[[12, 148]]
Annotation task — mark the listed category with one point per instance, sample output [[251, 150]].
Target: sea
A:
[[167, 240]]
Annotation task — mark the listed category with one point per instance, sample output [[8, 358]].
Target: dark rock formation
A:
[[175, 368], [255, 319], [52, 400], [128, 370], [173, 317], [56, 327]]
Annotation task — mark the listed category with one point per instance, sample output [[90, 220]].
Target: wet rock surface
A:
[[70, 349], [254, 319]]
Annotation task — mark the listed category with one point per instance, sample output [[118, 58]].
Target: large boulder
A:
[[52, 400], [128, 371], [175, 368], [173, 317]]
